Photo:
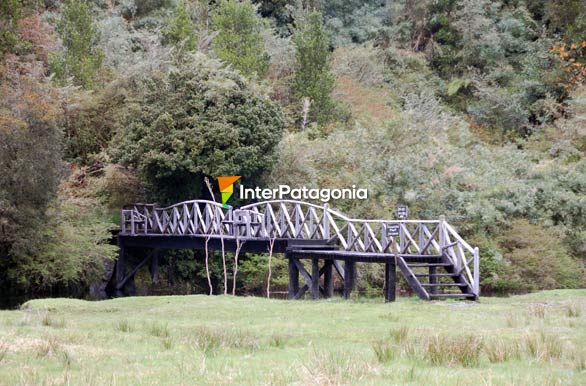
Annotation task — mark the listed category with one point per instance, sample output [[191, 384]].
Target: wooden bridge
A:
[[435, 261]]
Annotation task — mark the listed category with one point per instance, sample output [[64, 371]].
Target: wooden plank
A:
[[121, 284], [301, 292], [302, 271], [408, 274], [339, 268]]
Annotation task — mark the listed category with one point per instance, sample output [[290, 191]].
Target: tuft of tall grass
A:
[[123, 325], [66, 359], [538, 311], [445, 350], [159, 330], [502, 351], [383, 350], [573, 311], [47, 320], [542, 347], [3, 351], [579, 360], [167, 342], [209, 340], [48, 347], [511, 320], [277, 340], [399, 335], [333, 368]]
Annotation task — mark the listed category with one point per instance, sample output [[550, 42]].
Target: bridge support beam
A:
[[390, 282], [315, 278], [432, 280], [154, 267], [328, 278], [293, 277], [120, 268], [349, 275]]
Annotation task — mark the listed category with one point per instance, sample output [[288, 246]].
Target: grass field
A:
[[537, 339]]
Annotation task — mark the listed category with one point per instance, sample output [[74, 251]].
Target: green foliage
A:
[[239, 40], [313, 78], [200, 119], [139, 8], [354, 21], [75, 248], [30, 164], [80, 59], [456, 85], [10, 13], [254, 272], [181, 30], [92, 119]]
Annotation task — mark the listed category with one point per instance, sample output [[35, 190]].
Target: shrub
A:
[[200, 119]]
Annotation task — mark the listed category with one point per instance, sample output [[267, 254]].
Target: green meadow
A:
[[223, 340]]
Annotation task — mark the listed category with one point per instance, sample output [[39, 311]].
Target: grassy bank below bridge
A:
[[531, 339]]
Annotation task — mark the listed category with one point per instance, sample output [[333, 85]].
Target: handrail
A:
[[458, 237]]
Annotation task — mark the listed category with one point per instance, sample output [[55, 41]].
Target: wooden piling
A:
[[328, 278], [293, 277], [349, 272], [390, 282], [315, 278]]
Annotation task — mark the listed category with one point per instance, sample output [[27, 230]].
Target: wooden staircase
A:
[[434, 277]]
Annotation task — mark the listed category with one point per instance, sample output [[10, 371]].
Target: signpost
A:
[[402, 212], [393, 230]]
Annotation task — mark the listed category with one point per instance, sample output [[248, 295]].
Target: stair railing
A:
[[465, 258]]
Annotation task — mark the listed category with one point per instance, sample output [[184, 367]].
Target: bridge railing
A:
[[196, 217]]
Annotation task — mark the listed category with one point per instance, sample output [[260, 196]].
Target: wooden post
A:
[[293, 277], [154, 268], [120, 267], [315, 278], [390, 281], [432, 280], [349, 271], [328, 278]]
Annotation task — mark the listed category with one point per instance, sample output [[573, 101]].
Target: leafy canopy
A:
[[313, 78], [200, 119], [181, 30], [80, 59], [239, 40]]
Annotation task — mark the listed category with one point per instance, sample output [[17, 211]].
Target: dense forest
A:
[[471, 109]]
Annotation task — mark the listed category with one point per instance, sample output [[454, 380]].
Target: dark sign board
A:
[[392, 230], [402, 212]]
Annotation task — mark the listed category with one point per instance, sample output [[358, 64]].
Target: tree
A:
[[200, 119], [181, 29], [30, 160], [10, 13], [80, 59], [239, 40], [313, 78]]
